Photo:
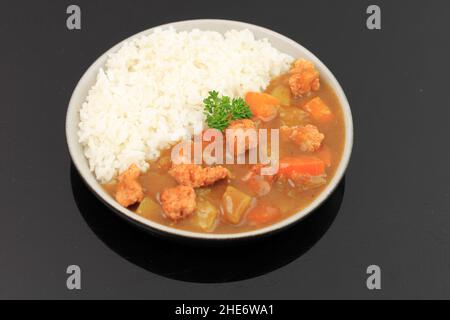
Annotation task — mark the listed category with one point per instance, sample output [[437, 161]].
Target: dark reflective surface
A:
[[395, 213], [201, 261]]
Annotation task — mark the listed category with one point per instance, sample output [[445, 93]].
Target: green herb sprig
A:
[[220, 111]]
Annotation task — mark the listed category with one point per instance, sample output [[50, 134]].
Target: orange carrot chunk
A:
[[263, 214], [307, 165], [324, 153], [263, 105], [318, 110]]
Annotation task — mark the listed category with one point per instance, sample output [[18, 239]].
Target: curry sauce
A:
[[299, 115]]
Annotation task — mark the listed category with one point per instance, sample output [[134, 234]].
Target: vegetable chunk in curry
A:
[[230, 197]]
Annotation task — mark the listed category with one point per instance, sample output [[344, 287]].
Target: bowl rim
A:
[[95, 187]]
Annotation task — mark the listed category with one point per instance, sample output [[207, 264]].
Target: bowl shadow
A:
[[203, 261]]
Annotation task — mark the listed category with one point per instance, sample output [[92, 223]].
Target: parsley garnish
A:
[[220, 111]]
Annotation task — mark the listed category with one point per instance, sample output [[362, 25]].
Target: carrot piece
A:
[[263, 105], [324, 153], [257, 98], [302, 165], [318, 110], [263, 214]]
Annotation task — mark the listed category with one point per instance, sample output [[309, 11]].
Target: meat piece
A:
[[195, 176], [178, 202], [258, 184], [304, 78], [300, 65], [244, 124], [256, 170], [285, 132], [129, 191], [307, 137]]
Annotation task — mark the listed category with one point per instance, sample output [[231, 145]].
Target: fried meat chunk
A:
[[304, 78], [308, 137], [129, 191], [244, 124], [178, 202], [195, 176]]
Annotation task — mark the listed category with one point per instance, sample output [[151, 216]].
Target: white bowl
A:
[[280, 42]]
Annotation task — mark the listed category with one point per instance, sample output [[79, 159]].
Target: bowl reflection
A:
[[204, 261]]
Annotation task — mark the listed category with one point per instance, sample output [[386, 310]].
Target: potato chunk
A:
[[148, 208], [293, 116], [205, 215], [283, 95], [234, 204]]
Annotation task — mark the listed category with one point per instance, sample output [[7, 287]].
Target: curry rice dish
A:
[[233, 198]]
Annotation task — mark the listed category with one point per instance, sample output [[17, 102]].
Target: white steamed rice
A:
[[149, 94]]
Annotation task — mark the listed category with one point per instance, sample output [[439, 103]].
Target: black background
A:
[[392, 209]]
